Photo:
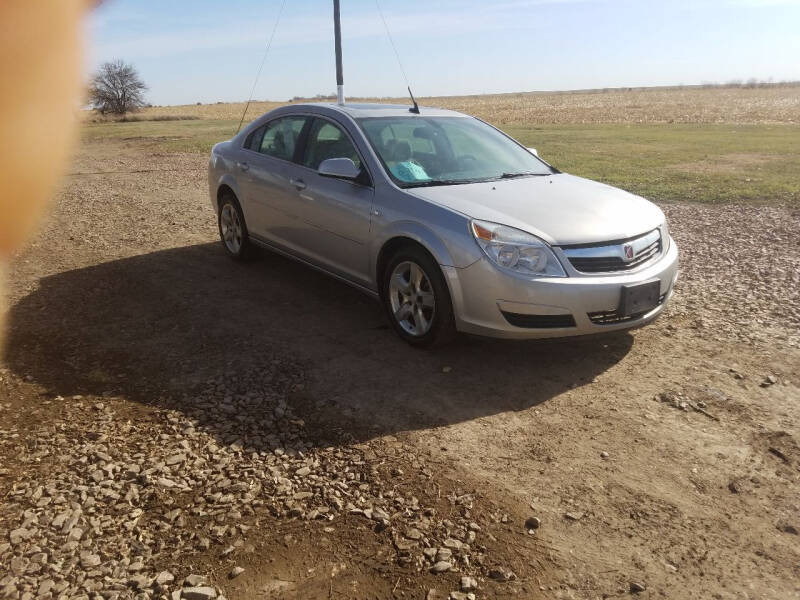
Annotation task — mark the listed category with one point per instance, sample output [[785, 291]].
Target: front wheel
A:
[[417, 300]]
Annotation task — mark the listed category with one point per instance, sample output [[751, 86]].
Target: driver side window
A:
[[327, 140]]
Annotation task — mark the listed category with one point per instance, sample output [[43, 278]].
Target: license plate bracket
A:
[[639, 298]]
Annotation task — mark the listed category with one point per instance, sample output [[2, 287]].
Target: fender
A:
[[225, 179], [429, 239]]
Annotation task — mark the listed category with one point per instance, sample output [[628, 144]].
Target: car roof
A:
[[368, 109]]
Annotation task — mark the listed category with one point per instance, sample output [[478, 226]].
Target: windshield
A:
[[425, 151]]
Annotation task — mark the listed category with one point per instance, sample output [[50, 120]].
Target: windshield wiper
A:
[[522, 174], [437, 182]]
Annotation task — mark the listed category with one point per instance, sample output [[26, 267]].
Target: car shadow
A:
[[154, 327]]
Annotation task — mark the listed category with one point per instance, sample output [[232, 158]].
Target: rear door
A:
[[271, 198], [336, 210]]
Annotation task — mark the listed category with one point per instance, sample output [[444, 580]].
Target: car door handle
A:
[[299, 184], [243, 166]]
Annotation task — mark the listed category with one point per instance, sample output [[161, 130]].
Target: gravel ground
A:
[[93, 517], [740, 271], [174, 425]]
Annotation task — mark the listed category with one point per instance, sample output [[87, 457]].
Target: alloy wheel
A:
[[412, 299], [231, 228]]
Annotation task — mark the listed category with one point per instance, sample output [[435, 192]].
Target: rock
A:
[[17, 536], [89, 560], [302, 472], [194, 580], [458, 596], [468, 584], [136, 565], [175, 459], [787, 528], [378, 514], [414, 534], [636, 587], [441, 566], [453, 544], [140, 582], [235, 572], [532, 523], [19, 565], [165, 483], [164, 578], [769, 380], [443, 554], [59, 520], [573, 516], [446, 369], [199, 593], [604, 454], [45, 586], [502, 574]]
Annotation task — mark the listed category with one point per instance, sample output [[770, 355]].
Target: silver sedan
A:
[[452, 224]]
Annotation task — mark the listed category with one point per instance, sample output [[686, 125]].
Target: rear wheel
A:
[[416, 298], [232, 228]]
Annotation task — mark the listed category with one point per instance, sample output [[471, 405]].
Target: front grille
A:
[[610, 317], [607, 257], [539, 321]]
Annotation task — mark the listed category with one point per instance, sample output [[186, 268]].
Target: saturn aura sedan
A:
[[450, 223]]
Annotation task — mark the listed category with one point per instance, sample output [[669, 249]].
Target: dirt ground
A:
[[661, 463]]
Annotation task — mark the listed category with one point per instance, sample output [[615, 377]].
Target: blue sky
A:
[[207, 51]]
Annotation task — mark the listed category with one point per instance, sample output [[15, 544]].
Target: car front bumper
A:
[[481, 293]]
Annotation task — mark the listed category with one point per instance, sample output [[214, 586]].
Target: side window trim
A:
[[302, 140]]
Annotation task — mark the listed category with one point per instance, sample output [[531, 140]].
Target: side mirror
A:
[[341, 168], [533, 151]]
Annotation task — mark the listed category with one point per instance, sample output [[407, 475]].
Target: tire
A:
[[416, 298], [232, 228]]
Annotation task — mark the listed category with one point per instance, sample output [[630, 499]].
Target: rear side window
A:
[[280, 137], [253, 141]]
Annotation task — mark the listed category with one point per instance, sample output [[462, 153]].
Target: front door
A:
[[336, 210]]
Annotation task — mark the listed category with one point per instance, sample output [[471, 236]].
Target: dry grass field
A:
[[740, 105], [712, 145], [170, 419]]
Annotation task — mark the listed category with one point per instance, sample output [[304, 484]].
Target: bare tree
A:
[[116, 88]]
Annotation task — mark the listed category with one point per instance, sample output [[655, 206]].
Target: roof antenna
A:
[[337, 38], [414, 109]]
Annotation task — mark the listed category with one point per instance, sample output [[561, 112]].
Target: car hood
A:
[[561, 209]]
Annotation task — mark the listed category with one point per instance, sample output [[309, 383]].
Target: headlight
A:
[[516, 250]]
